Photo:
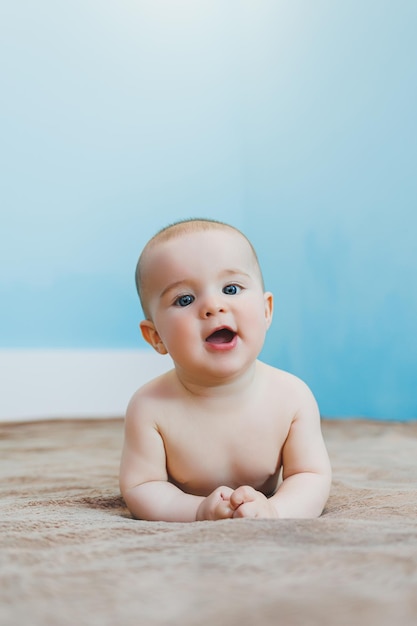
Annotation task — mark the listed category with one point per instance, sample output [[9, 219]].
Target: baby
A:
[[222, 434]]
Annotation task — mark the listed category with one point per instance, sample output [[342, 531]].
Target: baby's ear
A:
[[269, 307], [150, 335]]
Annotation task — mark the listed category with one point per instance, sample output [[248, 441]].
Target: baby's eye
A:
[[231, 290], [184, 300]]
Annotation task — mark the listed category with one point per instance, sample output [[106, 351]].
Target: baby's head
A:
[[175, 231]]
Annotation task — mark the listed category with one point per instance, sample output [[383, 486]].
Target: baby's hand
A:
[[216, 505], [247, 502]]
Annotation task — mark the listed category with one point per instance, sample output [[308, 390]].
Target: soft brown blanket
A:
[[71, 554]]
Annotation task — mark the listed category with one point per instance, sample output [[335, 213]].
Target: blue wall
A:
[[293, 120]]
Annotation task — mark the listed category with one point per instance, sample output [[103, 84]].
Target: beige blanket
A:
[[71, 554]]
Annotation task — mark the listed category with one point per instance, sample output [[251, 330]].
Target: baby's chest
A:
[[199, 459]]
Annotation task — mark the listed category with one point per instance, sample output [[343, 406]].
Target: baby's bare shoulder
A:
[[276, 376], [286, 386], [149, 399]]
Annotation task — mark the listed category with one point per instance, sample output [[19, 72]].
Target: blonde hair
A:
[[176, 229]]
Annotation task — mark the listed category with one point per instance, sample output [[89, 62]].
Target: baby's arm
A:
[[306, 471], [144, 480]]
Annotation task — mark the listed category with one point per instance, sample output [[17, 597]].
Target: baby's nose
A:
[[212, 307], [211, 312]]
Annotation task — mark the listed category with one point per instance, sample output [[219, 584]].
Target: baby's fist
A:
[[247, 502], [216, 505]]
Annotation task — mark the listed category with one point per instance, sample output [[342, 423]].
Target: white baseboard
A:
[[50, 384]]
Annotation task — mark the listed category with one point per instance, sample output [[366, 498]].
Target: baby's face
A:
[[206, 303]]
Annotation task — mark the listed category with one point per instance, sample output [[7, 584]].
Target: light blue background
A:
[[293, 120]]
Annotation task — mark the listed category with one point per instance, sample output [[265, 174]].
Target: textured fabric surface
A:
[[70, 553]]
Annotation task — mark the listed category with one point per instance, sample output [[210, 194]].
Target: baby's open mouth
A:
[[223, 335]]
